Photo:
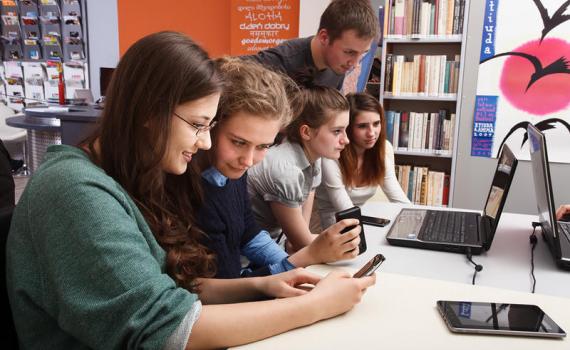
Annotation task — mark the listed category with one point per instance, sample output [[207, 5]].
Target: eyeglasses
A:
[[199, 129]]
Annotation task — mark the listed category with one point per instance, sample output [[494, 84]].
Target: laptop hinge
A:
[[485, 229]]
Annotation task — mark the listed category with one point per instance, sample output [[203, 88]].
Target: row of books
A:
[[424, 186], [424, 75], [421, 131], [423, 18]]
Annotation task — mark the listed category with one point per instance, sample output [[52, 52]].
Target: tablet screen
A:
[[463, 316]]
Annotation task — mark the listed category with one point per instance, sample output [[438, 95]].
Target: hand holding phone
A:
[[353, 213], [371, 266]]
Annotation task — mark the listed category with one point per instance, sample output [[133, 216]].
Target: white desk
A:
[[506, 265], [400, 311]]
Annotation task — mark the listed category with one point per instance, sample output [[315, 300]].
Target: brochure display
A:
[[43, 51]]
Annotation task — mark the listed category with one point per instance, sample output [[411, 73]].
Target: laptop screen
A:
[[499, 188], [542, 184]]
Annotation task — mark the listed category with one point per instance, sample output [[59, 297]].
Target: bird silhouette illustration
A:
[[558, 66], [546, 124], [552, 22]]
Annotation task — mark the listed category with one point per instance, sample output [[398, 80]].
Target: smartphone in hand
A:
[[371, 266], [353, 213]]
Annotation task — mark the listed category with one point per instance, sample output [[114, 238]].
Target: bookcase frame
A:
[[409, 45]]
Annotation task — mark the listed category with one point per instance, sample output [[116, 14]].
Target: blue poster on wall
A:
[[484, 126]]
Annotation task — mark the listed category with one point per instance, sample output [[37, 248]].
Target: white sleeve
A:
[[391, 186], [333, 185], [179, 339]]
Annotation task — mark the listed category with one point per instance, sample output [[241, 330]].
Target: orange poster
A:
[[260, 24]]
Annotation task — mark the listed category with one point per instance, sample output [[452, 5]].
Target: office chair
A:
[[9, 337], [10, 134]]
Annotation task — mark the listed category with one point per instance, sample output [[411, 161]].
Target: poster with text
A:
[[524, 77], [260, 24]]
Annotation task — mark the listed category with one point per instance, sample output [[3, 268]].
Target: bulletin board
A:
[[260, 24]]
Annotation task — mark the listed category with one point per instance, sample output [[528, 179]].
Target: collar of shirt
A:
[[214, 177], [301, 159]]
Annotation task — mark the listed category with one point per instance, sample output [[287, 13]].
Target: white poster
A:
[[524, 77]]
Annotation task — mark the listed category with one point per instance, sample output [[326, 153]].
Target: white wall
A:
[[474, 174], [103, 38], [309, 15]]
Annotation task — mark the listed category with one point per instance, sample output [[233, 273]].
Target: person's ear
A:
[[323, 37], [305, 132]]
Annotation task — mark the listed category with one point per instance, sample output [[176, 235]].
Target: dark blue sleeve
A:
[[251, 226]]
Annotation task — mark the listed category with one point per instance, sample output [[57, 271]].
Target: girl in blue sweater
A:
[[253, 107]]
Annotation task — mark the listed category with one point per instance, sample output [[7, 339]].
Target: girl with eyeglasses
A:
[[104, 251]]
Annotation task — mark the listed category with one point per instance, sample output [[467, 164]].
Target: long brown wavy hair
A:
[[373, 168], [156, 74]]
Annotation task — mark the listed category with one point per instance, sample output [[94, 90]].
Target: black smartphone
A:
[[374, 221], [498, 318], [353, 213], [371, 266]]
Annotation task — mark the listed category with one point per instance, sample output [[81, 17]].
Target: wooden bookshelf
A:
[[430, 52]]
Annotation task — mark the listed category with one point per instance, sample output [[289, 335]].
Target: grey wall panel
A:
[[103, 32]]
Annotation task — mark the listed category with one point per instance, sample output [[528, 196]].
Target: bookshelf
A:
[[423, 47]]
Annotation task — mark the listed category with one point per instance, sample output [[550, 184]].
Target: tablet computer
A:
[[498, 318]]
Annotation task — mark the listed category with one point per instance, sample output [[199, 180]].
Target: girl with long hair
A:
[[282, 186], [104, 251], [364, 165]]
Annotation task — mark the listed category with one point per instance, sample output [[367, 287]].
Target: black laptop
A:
[[556, 234], [457, 231]]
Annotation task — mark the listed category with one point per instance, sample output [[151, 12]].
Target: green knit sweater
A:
[[83, 268]]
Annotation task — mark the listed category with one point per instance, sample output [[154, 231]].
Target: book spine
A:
[[461, 16], [388, 73], [389, 125], [403, 137], [396, 129], [399, 12], [445, 195], [456, 9]]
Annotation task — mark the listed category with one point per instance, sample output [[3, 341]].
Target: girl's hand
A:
[[563, 210], [338, 292], [331, 245], [287, 284]]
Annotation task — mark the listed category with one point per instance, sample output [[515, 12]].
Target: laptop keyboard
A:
[[565, 230], [447, 226]]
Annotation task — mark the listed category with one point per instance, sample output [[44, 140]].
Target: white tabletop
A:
[[399, 312], [506, 265]]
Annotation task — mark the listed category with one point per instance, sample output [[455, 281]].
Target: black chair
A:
[[9, 338]]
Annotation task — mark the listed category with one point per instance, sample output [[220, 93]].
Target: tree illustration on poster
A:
[[524, 77], [260, 24]]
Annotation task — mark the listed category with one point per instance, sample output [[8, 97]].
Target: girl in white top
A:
[[282, 186], [364, 164]]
